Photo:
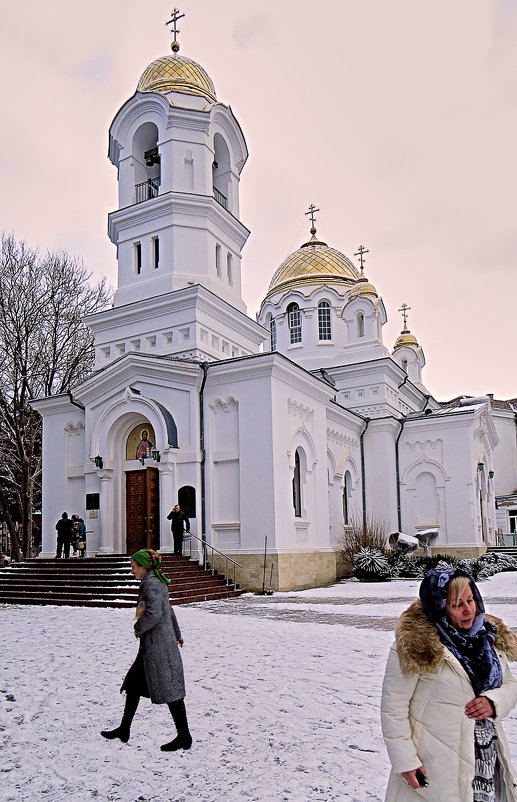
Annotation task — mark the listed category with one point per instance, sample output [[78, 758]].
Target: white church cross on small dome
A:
[[405, 309], [360, 253], [176, 15]]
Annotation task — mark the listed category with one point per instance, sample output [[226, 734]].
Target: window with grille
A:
[[324, 328], [272, 333], [294, 317]]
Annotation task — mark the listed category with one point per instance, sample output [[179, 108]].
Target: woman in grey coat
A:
[[157, 671]]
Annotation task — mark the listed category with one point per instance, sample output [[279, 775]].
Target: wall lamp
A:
[[98, 461], [491, 474], [155, 455], [481, 466]]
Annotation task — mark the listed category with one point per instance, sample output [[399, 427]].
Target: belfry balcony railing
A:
[[147, 189], [220, 198]]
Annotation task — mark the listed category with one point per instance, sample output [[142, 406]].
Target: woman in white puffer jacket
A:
[[446, 688]]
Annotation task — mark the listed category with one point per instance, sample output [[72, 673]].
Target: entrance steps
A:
[[105, 582], [510, 550]]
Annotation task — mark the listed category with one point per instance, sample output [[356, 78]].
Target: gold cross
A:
[[175, 17], [404, 309], [311, 211], [360, 253]]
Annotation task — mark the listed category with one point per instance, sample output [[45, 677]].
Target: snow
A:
[[283, 697]]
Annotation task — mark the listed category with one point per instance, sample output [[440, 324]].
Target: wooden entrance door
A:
[[142, 510]]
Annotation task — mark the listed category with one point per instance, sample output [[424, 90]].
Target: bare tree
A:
[[44, 350]]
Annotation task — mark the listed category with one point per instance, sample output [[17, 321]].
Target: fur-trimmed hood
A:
[[419, 647]]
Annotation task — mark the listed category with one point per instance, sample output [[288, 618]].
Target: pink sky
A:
[[397, 118]]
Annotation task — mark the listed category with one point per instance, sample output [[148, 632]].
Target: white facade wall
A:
[[440, 482], [380, 473], [63, 482], [505, 454]]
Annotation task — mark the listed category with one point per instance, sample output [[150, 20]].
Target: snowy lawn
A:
[[282, 695]]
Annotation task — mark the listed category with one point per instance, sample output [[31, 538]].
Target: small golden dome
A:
[[363, 287], [406, 338], [313, 263], [177, 74]]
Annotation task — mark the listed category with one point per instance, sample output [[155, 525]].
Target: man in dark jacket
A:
[[64, 535], [178, 518]]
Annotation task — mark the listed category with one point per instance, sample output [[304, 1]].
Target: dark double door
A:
[[142, 510]]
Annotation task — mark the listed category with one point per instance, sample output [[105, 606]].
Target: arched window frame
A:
[[272, 333], [297, 486], [347, 497], [294, 321], [187, 500], [359, 318], [324, 321]]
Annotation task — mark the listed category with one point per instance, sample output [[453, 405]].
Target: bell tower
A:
[[179, 154]]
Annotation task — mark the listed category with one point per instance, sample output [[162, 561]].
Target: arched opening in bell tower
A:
[[146, 162], [221, 172]]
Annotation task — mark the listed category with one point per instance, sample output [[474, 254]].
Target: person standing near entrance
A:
[[157, 671], [179, 521], [64, 536]]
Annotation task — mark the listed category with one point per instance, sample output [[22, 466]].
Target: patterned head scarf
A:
[[151, 559], [473, 647]]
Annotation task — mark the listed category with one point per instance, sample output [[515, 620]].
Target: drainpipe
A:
[[75, 403], [363, 472], [204, 368], [397, 474]]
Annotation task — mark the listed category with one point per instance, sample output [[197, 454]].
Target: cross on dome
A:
[[176, 15], [360, 253], [405, 309], [311, 210]]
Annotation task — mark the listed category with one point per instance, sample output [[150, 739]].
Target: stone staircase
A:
[[105, 582], [510, 550]]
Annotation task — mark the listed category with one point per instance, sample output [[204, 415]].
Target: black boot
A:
[[184, 738], [123, 731]]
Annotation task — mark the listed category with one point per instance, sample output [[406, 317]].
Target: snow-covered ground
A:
[[283, 699]]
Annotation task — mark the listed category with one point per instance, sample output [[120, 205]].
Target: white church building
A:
[[289, 425]]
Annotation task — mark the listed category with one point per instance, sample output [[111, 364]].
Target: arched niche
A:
[[221, 170], [146, 161], [140, 442]]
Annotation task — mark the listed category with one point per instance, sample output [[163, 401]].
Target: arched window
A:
[[187, 500], [360, 324], [297, 486], [403, 365], [221, 172], [218, 260], [324, 328], [347, 494], [294, 320], [229, 268], [272, 333], [146, 162]]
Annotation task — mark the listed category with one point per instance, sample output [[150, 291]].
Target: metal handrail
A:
[[210, 565], [220, 198]]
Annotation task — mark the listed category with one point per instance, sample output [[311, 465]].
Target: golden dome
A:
[[313, 263], [406, 338], [177, 74], [363, 287]]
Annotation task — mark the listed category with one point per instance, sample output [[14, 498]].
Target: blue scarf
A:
[[473, 647]]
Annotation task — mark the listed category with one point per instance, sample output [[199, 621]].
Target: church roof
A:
[[176, 73], [313, 263]]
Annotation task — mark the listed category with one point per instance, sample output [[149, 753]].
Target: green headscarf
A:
[[151, 559]]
